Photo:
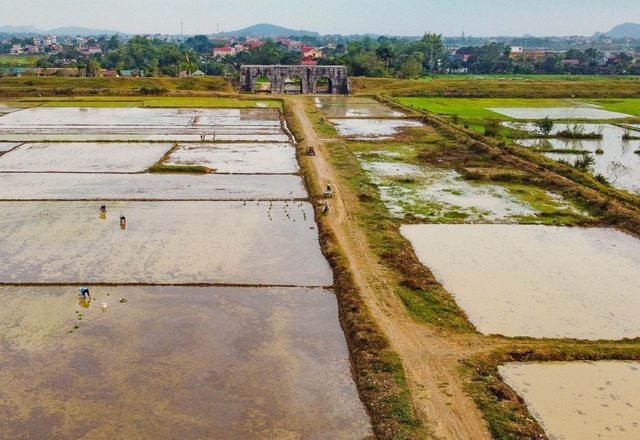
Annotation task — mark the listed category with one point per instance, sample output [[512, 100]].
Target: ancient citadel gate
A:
[[309, 76]]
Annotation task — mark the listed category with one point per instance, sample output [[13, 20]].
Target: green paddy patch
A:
[[623, 105], [476, 107], [473, 112]]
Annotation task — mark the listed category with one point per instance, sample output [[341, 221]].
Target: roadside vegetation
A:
[[378, 371], [484, 160]]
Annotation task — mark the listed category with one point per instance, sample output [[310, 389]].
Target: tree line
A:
[[381, 57]]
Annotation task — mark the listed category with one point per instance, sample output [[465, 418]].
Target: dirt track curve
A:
[[430, 357]]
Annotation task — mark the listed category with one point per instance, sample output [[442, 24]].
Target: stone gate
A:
[[309, 76]]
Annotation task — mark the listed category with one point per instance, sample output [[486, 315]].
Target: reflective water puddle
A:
[[157, 124], [266, 158], [71, 186], [112, 157], [267, 243], [538, 281], [354, 107], [616, 159], [580, 400], [175, 362]]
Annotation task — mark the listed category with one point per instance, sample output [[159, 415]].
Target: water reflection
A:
[[614, 157]]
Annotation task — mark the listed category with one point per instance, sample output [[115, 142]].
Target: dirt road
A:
[[430, 357]]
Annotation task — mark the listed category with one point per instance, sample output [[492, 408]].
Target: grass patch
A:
[[193, 169], [57, 86], [628, 106]]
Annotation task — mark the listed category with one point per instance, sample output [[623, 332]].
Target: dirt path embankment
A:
[[430, 357]]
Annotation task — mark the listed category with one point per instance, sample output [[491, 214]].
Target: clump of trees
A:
[[363, 56]]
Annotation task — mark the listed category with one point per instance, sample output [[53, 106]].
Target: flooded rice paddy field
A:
[[616, 158], [537, 281], [559, 113], [372, 129], [112, 157], [444, 196], [152, 124], [354, 107], [175, 362], [580, 400], [144, 186], [269, 158], [138, 134], [267, 243]]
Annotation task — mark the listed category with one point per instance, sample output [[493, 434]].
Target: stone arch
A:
[[323, 84], [309, 75], [261, 86], [293, 84]]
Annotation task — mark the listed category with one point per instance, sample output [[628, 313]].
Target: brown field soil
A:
[[430, 356]]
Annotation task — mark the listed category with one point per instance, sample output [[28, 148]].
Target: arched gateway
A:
[[309, 76]]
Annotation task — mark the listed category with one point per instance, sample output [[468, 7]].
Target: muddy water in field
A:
[[264, 158], [70, 186], [350, 107], [579, 400], [372, 129], [175, 362], [86, 124], [537, 281], [83, 157], [171, 362], [164, 242]]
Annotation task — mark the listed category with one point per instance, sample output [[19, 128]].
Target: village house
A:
[[520, 52], [221, 52], [253, 42], [31, 49], [16, 49], [311, 52], [94, 49]]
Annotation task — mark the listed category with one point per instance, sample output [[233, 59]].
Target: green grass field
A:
[[628, 106], [19, 60], [474, 111]]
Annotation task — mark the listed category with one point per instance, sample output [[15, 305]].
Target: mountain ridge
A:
[[624, 30], [267, 30], [62, 31]]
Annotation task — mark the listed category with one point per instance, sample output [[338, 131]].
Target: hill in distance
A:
[[62, 31], [268, 30], [625, 30]]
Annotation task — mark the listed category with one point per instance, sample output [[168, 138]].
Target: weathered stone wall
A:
[[309, 75]]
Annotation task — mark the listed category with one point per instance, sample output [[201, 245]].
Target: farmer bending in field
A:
[[84, 291]]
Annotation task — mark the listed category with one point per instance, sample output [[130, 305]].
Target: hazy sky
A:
[[388, 17]]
